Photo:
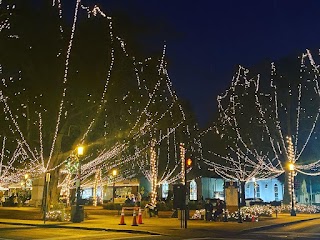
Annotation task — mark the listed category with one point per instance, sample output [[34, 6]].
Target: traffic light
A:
[[189, 163]]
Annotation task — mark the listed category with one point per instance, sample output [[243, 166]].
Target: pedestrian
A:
[[219, 210], [152, 208], [138, 199], [208, 208]]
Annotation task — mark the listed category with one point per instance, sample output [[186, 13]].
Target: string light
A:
[[152, 93], [261, 153]]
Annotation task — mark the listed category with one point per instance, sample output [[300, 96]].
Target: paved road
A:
[[304, 230], [308, 230], [11, 232], [105, 226]]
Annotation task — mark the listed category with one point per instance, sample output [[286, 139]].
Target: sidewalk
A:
[[167, 226]]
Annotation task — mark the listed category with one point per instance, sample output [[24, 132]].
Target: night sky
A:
[[207, 39]]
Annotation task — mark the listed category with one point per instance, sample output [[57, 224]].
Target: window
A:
[[276, 192], [193, 190], [258, 190], [165, 189]]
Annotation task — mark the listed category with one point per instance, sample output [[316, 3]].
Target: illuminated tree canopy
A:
[[259, 112], [63, 86]]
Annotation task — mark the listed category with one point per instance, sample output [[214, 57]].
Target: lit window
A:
[[193, 190], [165, 189], [258, 190]]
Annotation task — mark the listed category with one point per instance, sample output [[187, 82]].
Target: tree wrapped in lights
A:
[[259, 111], [99, 96]]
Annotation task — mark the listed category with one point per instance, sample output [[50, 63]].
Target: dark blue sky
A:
[[207, 39]]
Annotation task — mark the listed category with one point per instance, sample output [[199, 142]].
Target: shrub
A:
[[112, 206], [194, 205]]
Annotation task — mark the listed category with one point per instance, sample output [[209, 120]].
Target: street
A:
[[13, 232], [302, 230]]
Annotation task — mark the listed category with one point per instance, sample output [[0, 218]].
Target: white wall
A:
[[265, 189]]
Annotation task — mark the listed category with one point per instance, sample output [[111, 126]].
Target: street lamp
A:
[[292, 172], [77, 215], [239, 202], [114, 174]]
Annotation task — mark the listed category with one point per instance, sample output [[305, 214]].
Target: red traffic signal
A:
[[189, 163]]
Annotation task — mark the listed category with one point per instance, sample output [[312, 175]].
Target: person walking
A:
[[208, 208], [219, 210], [138, 199]]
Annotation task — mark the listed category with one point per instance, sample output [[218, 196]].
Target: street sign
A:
[[47, 177]]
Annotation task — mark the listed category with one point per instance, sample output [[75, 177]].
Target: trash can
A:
[[77, 215]]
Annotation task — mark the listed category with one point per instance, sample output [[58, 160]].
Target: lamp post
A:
[[114, 174], [239, 202], [292, 172], [78, 216]]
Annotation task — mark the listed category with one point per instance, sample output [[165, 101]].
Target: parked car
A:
[[254, 201]]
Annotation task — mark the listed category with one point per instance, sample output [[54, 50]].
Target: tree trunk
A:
[[57, 158], [54, 191], [242, 196]]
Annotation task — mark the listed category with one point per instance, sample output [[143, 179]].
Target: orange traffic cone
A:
[[134, 220], [122, 218], [140, 217]]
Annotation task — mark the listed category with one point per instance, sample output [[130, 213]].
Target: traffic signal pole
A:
[[187, 198], [187, 164]]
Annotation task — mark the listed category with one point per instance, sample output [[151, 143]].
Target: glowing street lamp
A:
[[80, 151], [114, 174], [292, 172], [291, 167]]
